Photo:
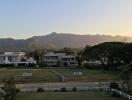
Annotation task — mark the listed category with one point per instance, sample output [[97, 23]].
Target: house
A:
[[69, 60], [15, 58], [51, 59], [62, 59]]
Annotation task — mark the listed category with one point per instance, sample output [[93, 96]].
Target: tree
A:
[[126, 75], [2, 94], [69, 51], [79, 58], [128, 53], [9, 89], [37, 54], [85, 52], [110, 54]]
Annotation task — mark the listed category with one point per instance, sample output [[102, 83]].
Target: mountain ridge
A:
[[59, 40]]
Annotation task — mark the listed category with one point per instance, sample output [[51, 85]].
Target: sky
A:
[[26, 18]]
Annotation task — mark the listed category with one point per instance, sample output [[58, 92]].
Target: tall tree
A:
[[9, 89], [37, 54]]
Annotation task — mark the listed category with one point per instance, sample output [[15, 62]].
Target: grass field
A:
[[46, 75], [38, 75], [88, 75], [66, 96]]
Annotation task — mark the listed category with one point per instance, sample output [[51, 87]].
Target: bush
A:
[[63, 89], [17, 90], [55, 90], [6, 65], [92, 66], [114, 86], [9, 89], [40, 90], [74, 89], [114, 94], [42, 64]]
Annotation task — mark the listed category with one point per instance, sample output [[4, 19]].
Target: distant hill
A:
[[55, 40]]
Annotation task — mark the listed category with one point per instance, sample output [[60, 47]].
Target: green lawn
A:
[[38, 75], [46, 75], [88, 75], [66, 96]]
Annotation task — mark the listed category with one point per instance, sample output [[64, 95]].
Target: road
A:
[[68, 86]]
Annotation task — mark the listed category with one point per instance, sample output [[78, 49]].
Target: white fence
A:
[[122, 94], [129, 97]]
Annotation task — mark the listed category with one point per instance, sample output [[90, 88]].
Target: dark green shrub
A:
[[55, 90], [114, 86], [63, 89], [17, 90], [74, 89], [40, 90]]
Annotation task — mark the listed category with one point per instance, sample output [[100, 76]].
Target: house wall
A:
[[13, 58], [51, 59], [1, 60], [69, 60]]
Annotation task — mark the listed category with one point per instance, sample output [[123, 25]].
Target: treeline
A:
[[110, 55], [38, 54]]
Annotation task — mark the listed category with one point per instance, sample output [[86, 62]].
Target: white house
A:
[[52, 59], [15, 58], [69, 60]]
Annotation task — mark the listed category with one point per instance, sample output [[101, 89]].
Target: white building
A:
[[52, 59], [15, 58]]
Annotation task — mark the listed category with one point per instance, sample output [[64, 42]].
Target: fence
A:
[[129, 97]]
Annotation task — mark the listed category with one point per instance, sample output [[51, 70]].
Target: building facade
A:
[[15, 58], [59, 59]]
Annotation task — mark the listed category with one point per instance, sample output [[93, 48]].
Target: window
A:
[[10, 58]]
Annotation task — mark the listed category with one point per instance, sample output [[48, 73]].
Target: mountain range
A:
[[59, 40]]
